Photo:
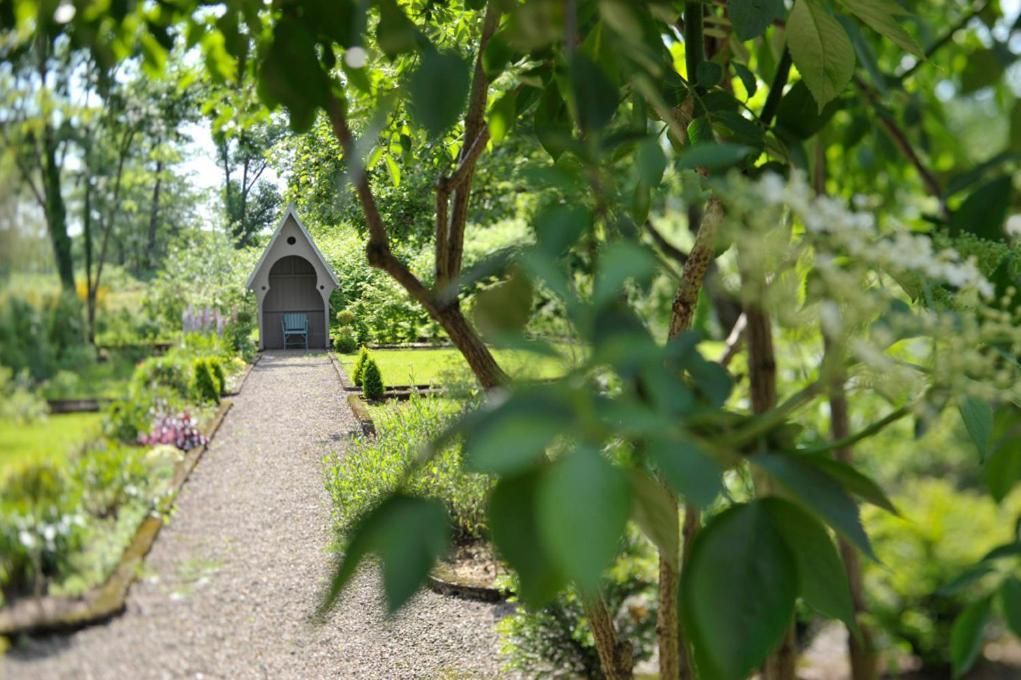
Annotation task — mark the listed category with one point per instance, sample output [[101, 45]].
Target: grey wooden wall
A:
[[292, 288]]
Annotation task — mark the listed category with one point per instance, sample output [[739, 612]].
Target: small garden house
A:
[[292, 283]]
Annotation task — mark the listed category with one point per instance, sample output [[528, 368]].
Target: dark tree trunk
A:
[[56, 212], [154, 212]]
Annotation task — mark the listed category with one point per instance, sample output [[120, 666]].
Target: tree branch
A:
[[900, 140], [783, 71], [941, 41], [474, 129]]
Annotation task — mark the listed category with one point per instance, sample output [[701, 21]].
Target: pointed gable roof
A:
[[290, 212]]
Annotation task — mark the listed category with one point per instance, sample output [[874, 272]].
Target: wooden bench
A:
[[295, 324]]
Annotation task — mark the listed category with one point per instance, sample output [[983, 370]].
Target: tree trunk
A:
[[87, 242], [762, 377], [472, 348], [616, 657], [56, 212], [860, 648], [154, 212]]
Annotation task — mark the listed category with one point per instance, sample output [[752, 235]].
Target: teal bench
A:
[[295, 325]]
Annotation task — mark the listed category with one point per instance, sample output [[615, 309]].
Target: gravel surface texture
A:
[[230, 583]]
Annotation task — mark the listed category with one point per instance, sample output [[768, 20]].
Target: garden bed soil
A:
[[472, 572], [48, 613]]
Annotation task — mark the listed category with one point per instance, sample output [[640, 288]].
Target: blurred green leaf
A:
[[514, 522], [502, 116], [395, 33], [651, 162], [751, 17], [823, 581], [977, 415], [884, 17], [654, 510], [513, 436], [620, 262], [737, 591], [595, 97], [713, 156], [966, 635], [854, 481], [817, 491], [438, 89], [584, 504], [688, 469], [984, 212], [1003, 468], [1010, 603], [982, 68], [408, 535]]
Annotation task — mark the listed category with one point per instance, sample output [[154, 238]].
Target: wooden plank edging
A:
[[45, 614]]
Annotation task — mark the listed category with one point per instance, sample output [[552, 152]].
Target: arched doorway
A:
[[292, 288]]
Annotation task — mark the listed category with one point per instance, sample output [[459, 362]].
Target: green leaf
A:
[[504, 308], [798, 114], [969, 577], [558, 226], [1010, 603], [751, 18], [977, 415], [513, 436], [713, 156], [709, 74], [882, 16], [595, 97], [395, 33], [818, 492], [394, 169], [651, 162], [620, 262], [982, 68], [1003, 468], [502, 116], [654, 510], [1015, 127], [821, 574], [751, 84], [514, 523], [966, 635], [291, 74], [738, 591], [821, 50], [687, 469], [408, 535], [439, 88], [855, 482], [584, 503], [984, 212], [552, 125]]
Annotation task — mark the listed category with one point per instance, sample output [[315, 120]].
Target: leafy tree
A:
[[722, 111]]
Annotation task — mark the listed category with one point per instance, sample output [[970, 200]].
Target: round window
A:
[[291, 240]]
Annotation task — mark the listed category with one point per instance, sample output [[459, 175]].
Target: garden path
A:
[[230, 583]]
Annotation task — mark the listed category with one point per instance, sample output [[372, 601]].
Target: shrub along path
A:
[[229, 586]]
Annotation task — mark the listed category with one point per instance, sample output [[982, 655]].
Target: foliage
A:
[[343, 339], [370, 469], [945, 533], [18, 402], [167, 371], [372, 381], [41, 335], [556, 641], [110, 476], [237, 335], [207, 379], [39, 528], [126, 419], [359, 367]]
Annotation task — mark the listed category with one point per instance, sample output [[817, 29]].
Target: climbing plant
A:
[[809, 147]]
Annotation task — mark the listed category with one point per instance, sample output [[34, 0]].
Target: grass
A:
[[53, 437], [441, 365]]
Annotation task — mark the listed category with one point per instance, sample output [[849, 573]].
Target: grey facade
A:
[[292, 276]]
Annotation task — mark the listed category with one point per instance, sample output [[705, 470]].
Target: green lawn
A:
[[445, 364], [52, 437]]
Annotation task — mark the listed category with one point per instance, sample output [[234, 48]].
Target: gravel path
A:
[[228, 587]]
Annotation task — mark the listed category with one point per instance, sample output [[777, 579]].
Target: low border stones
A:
[[44, 614]]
